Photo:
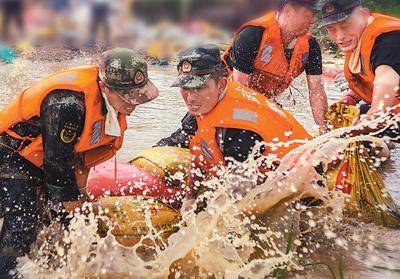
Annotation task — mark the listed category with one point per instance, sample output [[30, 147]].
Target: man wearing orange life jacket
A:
[[268, 53], [69, 120], [372, 66], [230, 118]]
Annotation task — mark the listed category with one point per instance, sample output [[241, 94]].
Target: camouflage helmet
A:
[[197, 65], [125, 71], [122, 69]]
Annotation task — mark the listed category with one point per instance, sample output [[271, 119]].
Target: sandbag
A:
[[132, 218], [165, 161], [369, 200]]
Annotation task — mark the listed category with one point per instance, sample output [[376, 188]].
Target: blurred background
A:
[[158, 28]]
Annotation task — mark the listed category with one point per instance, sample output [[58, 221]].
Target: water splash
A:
[[243, 231], [88, 255]]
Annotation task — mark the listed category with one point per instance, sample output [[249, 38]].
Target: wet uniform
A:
[[234, 143], [62, 110], [246, 46], [55, 126]]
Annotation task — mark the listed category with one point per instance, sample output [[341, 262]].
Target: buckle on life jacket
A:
[[13, 143]]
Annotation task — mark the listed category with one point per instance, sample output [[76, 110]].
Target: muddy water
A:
[[150, 122]]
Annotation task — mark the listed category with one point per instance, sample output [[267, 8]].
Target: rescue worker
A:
[[372, 66], [229, 117], [268, 53], [53, 132]]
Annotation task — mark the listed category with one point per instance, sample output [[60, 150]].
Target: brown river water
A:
[[368, 251]]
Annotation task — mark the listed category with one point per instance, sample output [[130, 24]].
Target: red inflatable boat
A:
[[111, 179]]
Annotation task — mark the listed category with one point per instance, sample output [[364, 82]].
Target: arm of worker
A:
[[385, 61], [244, 52], [315, 82], [386, 90], [180, 138], [318, 101], [62, 119]]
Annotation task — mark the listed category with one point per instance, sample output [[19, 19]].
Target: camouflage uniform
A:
[[62, 113]]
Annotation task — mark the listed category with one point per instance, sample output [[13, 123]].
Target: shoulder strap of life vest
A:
[[243, 108]]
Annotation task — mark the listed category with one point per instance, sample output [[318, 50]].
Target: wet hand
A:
[[323, 129], [348, 100]]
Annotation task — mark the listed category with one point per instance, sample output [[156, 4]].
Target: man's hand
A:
[[323, 129], [349, 99]]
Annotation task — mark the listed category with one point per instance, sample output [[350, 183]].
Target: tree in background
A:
[[390, 7]]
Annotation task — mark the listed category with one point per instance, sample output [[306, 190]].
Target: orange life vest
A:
[[272, 73], [363, 83], [242, 108], [93, 146]]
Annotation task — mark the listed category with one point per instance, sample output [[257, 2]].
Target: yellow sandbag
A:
[[341, 115], [128, 218], [369, 201], [164, 161]]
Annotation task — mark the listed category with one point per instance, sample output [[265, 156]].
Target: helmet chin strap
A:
[[112, 127]]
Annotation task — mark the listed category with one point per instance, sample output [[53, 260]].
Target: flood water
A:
[[150, 122]]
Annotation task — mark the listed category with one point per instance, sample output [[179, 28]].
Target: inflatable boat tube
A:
[[111, 179]]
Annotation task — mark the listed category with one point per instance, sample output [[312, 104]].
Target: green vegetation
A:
[[389, 7], [340, 268]]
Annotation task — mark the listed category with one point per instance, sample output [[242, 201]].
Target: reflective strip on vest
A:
[[206, 150], [244, 114], [67, 77]]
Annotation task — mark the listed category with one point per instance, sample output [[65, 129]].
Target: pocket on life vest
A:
[[98, 155]]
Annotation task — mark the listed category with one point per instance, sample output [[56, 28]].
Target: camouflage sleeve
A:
[[180, 138], [62, 116]]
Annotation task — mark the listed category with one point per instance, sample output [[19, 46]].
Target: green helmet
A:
[[125, 71], [197, 64], [122, 69]]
